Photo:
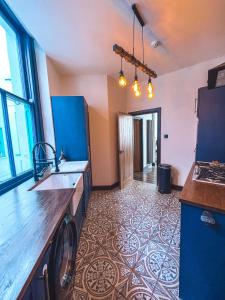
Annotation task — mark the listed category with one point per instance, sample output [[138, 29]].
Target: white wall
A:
[[54, 78], [43, 79], [94, 89], [105, 100], [117, 104], [175, 93]]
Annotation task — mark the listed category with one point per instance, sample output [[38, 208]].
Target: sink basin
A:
[[64, 181], [59, 181]]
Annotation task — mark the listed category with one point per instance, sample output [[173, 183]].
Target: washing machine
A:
[[55, 272]]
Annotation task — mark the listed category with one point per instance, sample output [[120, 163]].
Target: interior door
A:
[[138, 145], [125, 135]]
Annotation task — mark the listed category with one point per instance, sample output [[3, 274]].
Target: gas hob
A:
[[213, 173]]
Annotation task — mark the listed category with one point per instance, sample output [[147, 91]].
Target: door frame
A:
[[150, 111], [141, 142]]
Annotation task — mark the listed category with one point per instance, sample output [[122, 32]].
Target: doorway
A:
[[147, 144]]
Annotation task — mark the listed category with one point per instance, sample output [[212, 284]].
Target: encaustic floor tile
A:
[[129, 246]]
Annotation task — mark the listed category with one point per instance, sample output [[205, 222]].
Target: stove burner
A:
[[211, 173]]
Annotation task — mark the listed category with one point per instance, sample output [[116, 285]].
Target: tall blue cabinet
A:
[[71, 127], [211, 125]]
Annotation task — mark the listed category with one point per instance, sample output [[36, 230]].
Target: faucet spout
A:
[[40, 160]]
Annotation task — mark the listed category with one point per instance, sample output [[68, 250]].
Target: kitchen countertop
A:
[[205, 195], [28, 221]]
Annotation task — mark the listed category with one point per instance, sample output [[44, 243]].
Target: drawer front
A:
[[202, 254]]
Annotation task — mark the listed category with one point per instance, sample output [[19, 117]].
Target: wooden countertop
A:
[[28, 221], [205, 195]]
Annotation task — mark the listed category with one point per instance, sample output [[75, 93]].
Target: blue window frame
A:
[[20, 111], [2, 144]]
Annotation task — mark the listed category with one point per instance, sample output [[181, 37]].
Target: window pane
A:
[[5, 172], [21, 134], [10, 71]]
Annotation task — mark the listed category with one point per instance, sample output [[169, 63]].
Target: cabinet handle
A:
[[196, 106], [45, 275], [207, 218]]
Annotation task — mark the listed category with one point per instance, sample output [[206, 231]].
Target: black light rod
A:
[[138, 15]]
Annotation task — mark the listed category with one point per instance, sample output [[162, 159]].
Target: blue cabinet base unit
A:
[[80, 214], [202, 254], [87, 188], [37, 288]]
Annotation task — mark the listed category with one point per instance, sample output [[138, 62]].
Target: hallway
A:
[[129, 246], [149, 175]]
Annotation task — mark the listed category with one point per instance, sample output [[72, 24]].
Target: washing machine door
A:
[[62, 260]]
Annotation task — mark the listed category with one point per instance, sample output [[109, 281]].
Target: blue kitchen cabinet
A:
[[211, 125], [202, 254], [87, 188], [79, 216], [70, 118], [71, 127], [37, 290]]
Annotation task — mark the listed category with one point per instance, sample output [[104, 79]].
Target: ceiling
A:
[[79, 34]]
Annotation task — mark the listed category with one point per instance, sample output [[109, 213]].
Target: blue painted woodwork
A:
[[36, 289], [70, 116], [211, 126], [87, 187], [29, 75], [79, 216], [202, 256]]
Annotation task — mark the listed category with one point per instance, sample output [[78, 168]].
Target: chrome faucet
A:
[[40, 161]]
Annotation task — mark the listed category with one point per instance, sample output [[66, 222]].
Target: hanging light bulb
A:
[[122, 78], [150, 89], [136, 86]]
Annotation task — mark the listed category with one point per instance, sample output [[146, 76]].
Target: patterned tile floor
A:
[[129, 246], [149, 174]]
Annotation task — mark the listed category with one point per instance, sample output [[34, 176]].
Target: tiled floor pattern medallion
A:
[[129, 246]]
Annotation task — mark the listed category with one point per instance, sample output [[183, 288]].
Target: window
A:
[[2, 144], [10, 65], [20, 121]]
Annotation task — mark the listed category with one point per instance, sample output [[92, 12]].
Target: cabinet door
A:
[[70, 126], [80, 215], [39, 284], [87, 188], [202, 256], [211, 125]]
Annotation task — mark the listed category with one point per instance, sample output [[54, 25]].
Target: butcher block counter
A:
[[202, 241], [28, 220], [205, 195]]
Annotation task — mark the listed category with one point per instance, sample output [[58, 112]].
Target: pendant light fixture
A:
[[135, 86], [134, 61], [122, 78], [150, 89]]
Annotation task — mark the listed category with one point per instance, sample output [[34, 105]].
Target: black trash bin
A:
[[164, 179]]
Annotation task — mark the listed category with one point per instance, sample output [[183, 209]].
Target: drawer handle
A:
[[207, 218]]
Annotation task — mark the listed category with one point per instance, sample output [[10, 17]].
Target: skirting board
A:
[[177, 187], [105, 187]]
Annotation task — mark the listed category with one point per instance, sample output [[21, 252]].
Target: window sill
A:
[[14, 182]]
